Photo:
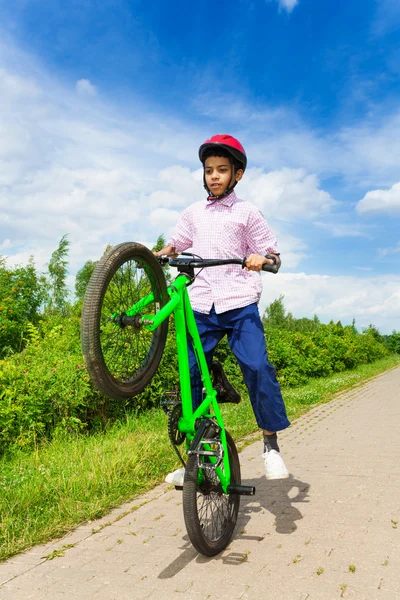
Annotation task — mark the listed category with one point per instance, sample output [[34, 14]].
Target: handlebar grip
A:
[[270, 268]]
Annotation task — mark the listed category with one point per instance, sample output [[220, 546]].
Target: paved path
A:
[[330, 531]]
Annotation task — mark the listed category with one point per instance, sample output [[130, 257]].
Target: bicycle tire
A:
[[121, 361], [210, 515]]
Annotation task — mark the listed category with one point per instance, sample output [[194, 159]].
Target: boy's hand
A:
[[168, 250], [255, 262]]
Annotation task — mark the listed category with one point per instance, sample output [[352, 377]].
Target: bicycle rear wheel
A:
[[210, 515], [122, 359]]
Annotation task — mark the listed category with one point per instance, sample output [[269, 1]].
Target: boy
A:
[[226, 227]]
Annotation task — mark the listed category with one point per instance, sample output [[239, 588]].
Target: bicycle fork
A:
[[207, 444]]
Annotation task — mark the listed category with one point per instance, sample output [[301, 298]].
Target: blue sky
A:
[[104, 104]]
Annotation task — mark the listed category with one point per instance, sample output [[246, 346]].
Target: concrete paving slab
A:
[[332, 530]]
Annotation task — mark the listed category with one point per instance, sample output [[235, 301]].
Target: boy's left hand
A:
[[255, 262]]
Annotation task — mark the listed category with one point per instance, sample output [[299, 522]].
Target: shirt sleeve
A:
[[182, 237], [260, 238]]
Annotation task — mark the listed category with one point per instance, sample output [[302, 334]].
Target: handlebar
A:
[[195, 262]]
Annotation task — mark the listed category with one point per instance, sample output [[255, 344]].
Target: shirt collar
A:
[[226, 201]]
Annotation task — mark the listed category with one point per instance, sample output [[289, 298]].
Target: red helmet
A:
[[229, 143]]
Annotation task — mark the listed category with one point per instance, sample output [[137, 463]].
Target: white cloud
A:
[[364, 155], [164, 219], [387, 17], [72, 165], [387, 251], [287, 194], [374, 299], [371, 148], [182, 179], [345, 229], [381, 201], [68, 165], [292, 248], [288, 4], [14, 86], [164, 198], [85, 88], [5, 245]]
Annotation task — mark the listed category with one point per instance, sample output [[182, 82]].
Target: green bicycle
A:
[[124, 330]]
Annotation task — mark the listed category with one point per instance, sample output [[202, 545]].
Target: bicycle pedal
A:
[[216, 453], [242, 490], [169, 399], [201, 451]]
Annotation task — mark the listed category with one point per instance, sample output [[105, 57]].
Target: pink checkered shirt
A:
[[226, 228]]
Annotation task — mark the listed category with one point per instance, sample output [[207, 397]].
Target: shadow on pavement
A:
[[188, 554], [277, 497]]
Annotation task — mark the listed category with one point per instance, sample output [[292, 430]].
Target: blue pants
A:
[[246, 339]]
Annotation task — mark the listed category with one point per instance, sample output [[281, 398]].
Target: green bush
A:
[[46, 391], [331, 348], [22, 292], [392, 342]]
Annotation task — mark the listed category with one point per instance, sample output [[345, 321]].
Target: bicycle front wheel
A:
[[210, 515], [121, 359]]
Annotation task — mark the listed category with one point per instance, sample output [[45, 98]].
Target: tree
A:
[[58, 271], [83, 277], [304, 324], [393, 341], [275, 313], [160, 243], [374, 332], [22, 293]]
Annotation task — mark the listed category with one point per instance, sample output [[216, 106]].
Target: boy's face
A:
[[218, 172]]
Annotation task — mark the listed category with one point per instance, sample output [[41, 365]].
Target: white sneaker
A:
[[275, 468], [176, 478]]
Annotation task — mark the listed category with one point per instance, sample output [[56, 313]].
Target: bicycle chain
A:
[[174, 414], [176, 437]]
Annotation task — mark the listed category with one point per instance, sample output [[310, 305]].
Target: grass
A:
[[352, 568], [48, 492]]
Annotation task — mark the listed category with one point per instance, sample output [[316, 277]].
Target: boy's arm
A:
[[261, 242], [181, 239]]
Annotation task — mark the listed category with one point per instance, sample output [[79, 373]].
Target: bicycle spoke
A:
[[126, 350], [210, 514], [213, 508]]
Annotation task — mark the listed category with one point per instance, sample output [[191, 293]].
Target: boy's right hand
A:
[[255, 262], [168, 250], [163, 251]]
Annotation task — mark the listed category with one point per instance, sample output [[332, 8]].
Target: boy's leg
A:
[[247, 341]]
